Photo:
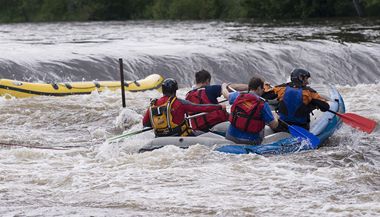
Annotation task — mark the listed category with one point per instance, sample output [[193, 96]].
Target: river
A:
[[72, 171]]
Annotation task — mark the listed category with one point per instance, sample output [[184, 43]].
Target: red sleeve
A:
[[146, 119], [192, 107]]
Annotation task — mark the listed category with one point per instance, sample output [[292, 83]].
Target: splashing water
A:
[[93, 178]]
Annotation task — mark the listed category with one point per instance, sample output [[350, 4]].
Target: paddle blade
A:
[[358, 122], [233, 149], [297, 131]]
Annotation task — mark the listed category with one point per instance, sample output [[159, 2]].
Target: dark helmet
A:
[[297, 76], [169, 86]]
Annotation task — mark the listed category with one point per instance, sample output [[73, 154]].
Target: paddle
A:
[[357, 121], [298, 131], [31, 146], [125, 135]]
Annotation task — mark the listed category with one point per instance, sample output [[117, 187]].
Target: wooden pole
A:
[[122, 82]]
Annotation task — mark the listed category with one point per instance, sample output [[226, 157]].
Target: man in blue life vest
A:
[[166, 115], [249, 114], [204, 93], [296, 100]]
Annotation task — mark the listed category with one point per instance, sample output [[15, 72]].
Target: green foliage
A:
[[82, 10], [372, 7], [227, 9], [299, 8]]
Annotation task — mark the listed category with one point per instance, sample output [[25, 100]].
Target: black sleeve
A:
[[269, 95], [322, 105]]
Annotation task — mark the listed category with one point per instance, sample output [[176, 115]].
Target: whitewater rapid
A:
[[337, 52], [72, 171]]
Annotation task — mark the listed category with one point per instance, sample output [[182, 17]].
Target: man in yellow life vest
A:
[[166, 115]]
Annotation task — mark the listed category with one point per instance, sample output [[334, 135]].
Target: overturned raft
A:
[[20, 89]]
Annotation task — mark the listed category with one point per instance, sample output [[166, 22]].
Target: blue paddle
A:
[[297, 131]]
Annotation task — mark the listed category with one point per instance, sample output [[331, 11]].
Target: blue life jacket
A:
[[291, 105]]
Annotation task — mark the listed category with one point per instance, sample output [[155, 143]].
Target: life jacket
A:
[[204, 122], [161, 120], [245, 113], [291, 107]]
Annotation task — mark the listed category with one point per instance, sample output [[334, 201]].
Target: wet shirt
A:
[[266, 115], [179, 108]]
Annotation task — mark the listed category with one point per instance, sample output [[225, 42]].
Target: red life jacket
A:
[[245, 113], [204, 122]]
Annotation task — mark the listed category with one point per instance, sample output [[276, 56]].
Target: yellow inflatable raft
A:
[[20, 89]]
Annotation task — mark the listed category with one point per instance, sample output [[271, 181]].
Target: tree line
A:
[[96, 10]]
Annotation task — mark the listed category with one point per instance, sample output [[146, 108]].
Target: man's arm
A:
[[318, 101], [146, 119], [271, 119], [192, 107], [225, 91], [273, 124], [237, 87], [271, 93], [322, 105]]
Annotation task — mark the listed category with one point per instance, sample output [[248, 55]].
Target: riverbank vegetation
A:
[[96, 10]]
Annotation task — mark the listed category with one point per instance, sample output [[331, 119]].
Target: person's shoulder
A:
[[180, 100], [266, 111], [282, 85], [308, 88], [234, 94], [162, 98], [192, 91], [214, 90], [213, 87], [266, 105]]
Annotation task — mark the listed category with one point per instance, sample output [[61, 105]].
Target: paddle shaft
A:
[[31, 146], [203, 113], [149, 128], [130, 134], [289, 126], [196, 115]]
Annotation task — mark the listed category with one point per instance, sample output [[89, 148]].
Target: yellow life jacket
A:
[[162, 121]]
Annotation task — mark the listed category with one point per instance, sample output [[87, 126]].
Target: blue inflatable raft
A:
[[322, 125]]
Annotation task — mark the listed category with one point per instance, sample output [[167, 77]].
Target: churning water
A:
[[73, 172]]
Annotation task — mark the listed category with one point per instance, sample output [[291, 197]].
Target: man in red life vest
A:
[[249, 114], [204, 93], [166, 115]]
